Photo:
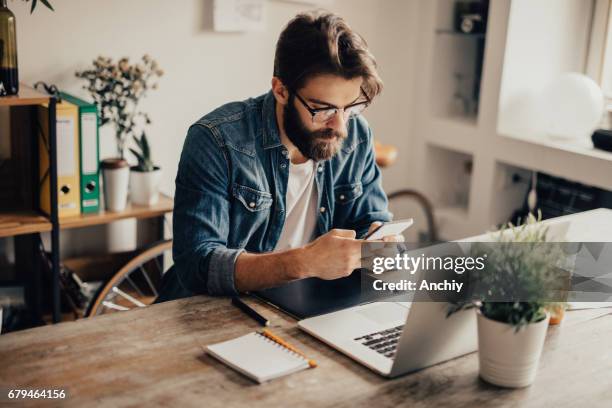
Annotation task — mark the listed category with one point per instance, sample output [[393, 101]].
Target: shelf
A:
[[574, 160], [458, 134], [12, 296], [467, 121], [165, 205], [582, 146], [30, 222], [510, 187], [27, 96], [22, 222], [449, 179], [456, 76], [99, 267], [460, 34]]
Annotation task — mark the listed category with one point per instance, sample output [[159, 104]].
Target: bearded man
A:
[[282, 186]]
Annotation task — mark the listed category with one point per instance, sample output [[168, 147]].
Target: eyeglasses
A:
[[322, 115]]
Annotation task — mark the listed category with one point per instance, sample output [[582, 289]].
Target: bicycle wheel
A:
[[136, 283]]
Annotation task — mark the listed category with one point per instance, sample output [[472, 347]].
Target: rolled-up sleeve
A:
[[201, 225]]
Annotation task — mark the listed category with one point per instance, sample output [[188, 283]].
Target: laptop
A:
[[394, 338]]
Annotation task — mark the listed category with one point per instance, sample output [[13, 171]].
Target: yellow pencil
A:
[[283, 343]]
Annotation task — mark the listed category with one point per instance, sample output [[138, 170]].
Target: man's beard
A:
[[316, 145]]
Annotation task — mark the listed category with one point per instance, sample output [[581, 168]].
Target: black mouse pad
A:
[[313, 296]]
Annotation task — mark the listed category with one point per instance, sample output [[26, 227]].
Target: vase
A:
[[144, 186], [575, 106], [556, 316], [507, 357], [115, 177], [9, 78]]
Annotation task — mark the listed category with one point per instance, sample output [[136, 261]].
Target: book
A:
[[258, 357], [68, 168], [89, 154]]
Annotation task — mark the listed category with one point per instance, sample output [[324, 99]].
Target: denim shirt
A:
[[230, 193]]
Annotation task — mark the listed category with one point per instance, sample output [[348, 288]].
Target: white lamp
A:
[[574, 105]]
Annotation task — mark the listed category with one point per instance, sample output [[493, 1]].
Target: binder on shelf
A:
[[89, 153], [67, 136]]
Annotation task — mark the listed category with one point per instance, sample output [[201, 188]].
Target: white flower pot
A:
[[509, 358], [115, 177], [144, 186]]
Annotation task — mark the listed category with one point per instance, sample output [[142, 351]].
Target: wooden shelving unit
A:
[[95, 269], [27, 223], [27, 96], [459, 33], [164, 206], [23, 222], [22, 219], [514, 60]]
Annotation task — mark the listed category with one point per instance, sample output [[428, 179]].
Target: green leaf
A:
[[146, 151], [33, 6], [46, 3], [138, 155]]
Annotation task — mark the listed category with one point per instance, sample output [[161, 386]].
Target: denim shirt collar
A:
[[271, 136]]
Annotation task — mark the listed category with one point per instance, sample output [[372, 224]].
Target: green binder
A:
[[89, 152]]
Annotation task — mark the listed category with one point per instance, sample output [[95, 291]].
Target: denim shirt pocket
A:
[[253, 200], [347, 193]]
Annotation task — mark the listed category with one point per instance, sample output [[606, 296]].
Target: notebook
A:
[[258, 357]]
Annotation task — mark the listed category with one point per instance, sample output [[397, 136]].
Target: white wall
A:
[[204, 69], [531, 61]]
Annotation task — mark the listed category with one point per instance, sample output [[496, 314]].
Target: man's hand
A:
[[331, 256], [388, 238]]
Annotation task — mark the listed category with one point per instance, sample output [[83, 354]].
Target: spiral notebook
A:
[[258, 357]]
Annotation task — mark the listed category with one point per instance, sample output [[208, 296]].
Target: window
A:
[[599, 58]]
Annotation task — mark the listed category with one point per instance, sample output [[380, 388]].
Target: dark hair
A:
[[323, 43]]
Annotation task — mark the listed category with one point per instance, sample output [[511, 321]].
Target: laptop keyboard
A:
[[383, 342]]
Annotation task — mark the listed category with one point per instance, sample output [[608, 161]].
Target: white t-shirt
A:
[[301, 206]]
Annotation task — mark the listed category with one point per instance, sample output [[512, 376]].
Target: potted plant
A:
[[518, 286], [145, 176], [117, 88]]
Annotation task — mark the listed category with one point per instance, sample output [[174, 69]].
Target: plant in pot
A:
[[117, 88], [145, 176], [523, 279]]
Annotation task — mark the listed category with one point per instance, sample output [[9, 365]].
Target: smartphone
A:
[[389, 228]]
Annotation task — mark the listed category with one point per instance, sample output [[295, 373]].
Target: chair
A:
[[410, 203], [135, 284]]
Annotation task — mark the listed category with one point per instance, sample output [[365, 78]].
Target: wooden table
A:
[[155, 356]]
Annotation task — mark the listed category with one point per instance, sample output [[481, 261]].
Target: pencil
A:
[[283, 343]]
